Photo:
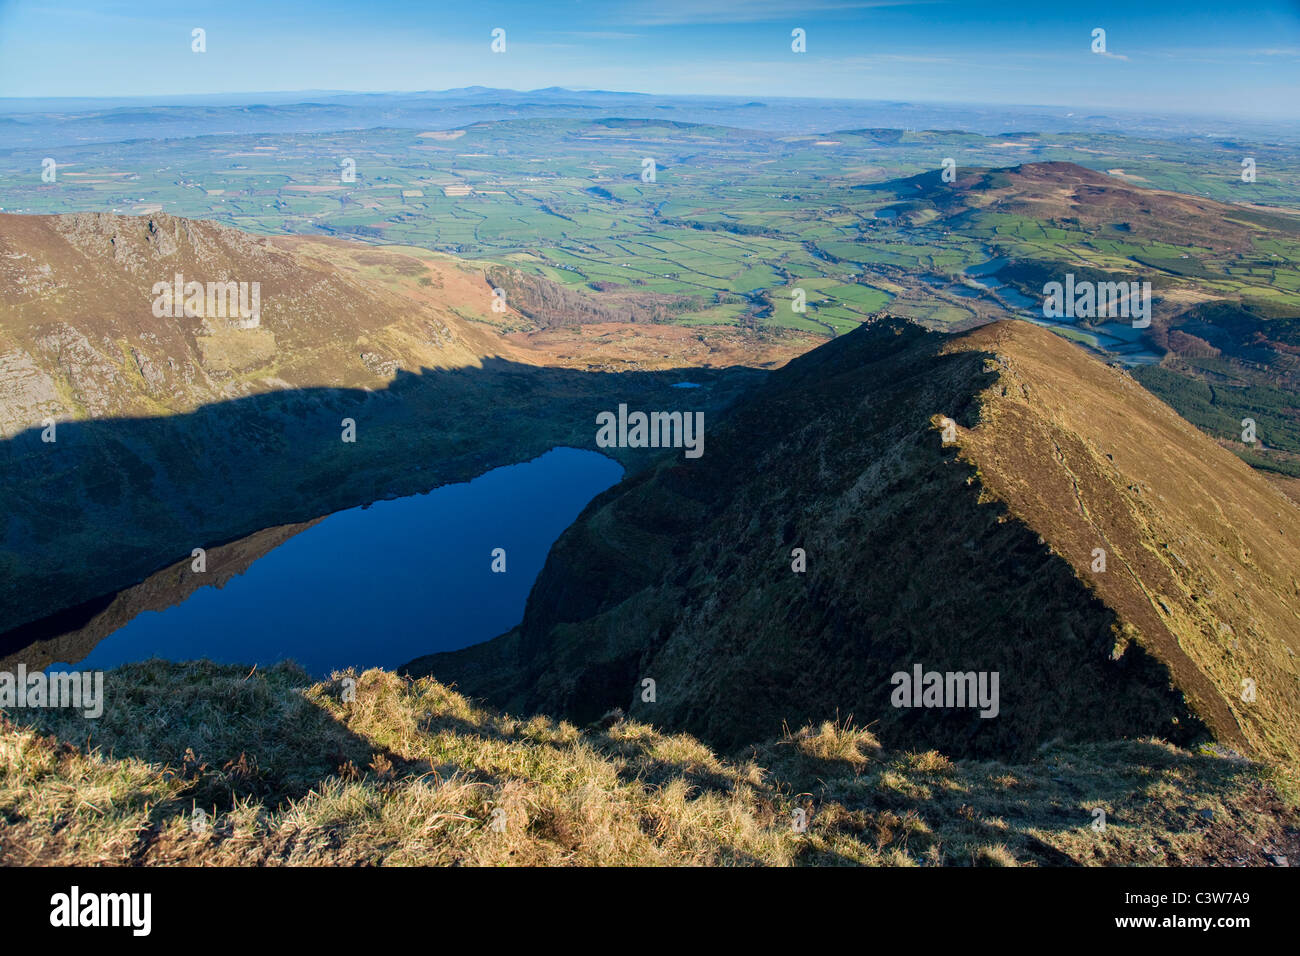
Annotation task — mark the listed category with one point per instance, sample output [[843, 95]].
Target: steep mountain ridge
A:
[[973, 554], [1202, 552]]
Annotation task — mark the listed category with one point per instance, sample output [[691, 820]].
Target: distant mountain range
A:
[[50, 123]]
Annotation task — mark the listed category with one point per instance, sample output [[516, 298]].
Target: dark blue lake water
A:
[[381, 585]]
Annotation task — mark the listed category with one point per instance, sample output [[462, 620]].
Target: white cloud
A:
[[603, 35], [684, 12]]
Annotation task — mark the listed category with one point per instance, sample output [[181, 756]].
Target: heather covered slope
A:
[[1225, 320], [79, 338], [974, 555]]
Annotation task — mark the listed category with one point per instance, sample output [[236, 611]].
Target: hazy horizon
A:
[[295, 97]]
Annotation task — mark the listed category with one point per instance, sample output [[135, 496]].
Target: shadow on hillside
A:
[[683, 572], [111, 501], [114, 497]]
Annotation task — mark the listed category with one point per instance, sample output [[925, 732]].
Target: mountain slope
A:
[[176, 431], [79, 337], [974, 555]]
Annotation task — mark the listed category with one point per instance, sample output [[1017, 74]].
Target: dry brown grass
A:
[[412, 773]]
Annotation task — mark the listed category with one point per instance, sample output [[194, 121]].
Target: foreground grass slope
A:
[[411, 772]]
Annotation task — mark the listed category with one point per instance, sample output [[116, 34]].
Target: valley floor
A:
[[212, 765]]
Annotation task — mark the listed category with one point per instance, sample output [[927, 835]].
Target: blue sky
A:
[[1226, 59]]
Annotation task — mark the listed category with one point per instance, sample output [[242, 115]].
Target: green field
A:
[[729, 212]]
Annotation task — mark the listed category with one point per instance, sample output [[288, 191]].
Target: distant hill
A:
[[1095, 201]]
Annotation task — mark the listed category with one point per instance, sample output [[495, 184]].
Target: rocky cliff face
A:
[[80, 336], [952, 496]]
